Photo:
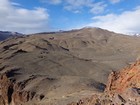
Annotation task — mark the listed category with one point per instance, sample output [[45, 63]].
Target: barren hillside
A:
[[59, 68]]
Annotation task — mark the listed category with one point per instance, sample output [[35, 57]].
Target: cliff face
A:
[[126, 78], [125, 85], [13, 93], [6, 90], [123, 88]]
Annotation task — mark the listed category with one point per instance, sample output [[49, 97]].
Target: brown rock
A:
[[2, 102], [6, 89], [12, 93], [126, 78], [22, 97]]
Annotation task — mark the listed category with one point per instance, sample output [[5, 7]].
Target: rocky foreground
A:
[[123, 88]]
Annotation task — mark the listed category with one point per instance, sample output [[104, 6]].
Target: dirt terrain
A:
[[62, 67]]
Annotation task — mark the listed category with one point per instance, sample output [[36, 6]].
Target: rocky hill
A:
[[60, 68]]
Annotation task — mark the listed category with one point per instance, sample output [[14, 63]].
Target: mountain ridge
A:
[[6, 34]]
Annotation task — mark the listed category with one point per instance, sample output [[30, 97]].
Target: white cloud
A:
[[21, 19], [126, 22], [15, 4], [98, 7], [95, 7], [115, 1], [76, 6], [79, 3], [52, 1]]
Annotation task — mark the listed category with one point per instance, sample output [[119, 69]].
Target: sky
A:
[[33, 16]]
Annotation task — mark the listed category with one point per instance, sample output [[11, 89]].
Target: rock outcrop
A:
[[126, 78], [125, 85], [6, 88], [13, 93]]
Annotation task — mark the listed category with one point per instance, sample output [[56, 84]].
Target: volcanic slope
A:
[[59, 68]]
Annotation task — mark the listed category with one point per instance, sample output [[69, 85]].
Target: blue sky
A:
[[31, 16]]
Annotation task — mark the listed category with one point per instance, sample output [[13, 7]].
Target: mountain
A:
[[6, 34], [62, 67]]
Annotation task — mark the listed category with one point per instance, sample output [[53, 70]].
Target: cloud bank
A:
[[126, 22], [15, 18]]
